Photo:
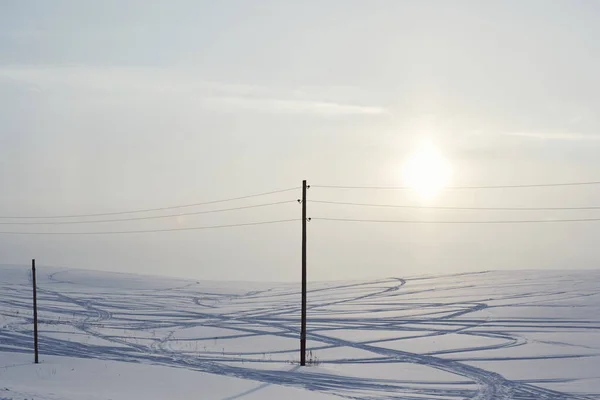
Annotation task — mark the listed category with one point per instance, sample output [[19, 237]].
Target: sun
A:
[[427, 171]]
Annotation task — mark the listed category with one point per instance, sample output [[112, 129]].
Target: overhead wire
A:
[[529, 221], [544, 221], [588, 183], [150, 217], [151, 209], [151, 230], [455, 208]]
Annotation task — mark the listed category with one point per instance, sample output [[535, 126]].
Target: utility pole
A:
[[303, 322], [35, 316]]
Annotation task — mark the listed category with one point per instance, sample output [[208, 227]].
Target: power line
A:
[[456, 208], [460, 222], [150, 217], [463, 187], [151, 209], [152, 230]]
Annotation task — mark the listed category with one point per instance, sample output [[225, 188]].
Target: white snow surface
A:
[[522, 335]]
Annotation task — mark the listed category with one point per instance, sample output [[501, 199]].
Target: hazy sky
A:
[[113, 105]]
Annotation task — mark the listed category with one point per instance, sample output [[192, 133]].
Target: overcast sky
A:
[[122, 105]]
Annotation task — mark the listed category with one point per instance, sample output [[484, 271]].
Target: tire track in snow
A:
[[491, 385], [266, 322]]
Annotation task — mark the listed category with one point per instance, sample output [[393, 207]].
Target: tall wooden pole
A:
[[303, 322], [35, 316]]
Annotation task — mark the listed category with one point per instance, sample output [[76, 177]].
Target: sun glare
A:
[[427, 171]]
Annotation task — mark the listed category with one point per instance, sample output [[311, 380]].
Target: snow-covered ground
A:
[[522, 335]]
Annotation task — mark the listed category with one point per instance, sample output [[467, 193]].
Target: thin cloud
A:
[[159, 81], [555, 136], [292, 106], [118, 79]]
